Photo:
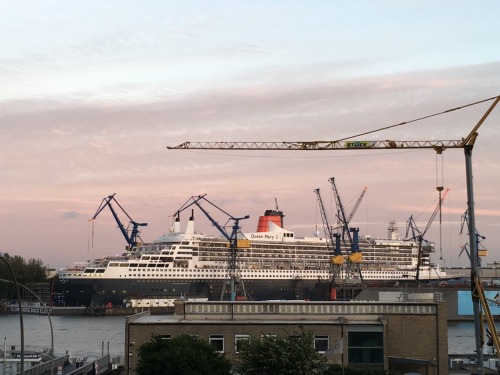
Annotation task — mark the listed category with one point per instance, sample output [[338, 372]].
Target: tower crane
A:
[[351, 144], [233, 279], [134, 233], [418, 235]]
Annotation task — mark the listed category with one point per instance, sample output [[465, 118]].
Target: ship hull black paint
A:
[[118, 292]]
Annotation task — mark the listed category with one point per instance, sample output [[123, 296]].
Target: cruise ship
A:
[[269, 264]]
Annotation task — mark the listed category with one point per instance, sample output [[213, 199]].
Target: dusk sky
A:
[[92, 93]]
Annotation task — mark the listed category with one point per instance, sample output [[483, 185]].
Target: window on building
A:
[[366, 344], [238, 339], [321, 343], [217, 341]]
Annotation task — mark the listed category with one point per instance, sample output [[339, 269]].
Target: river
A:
[[85, 336], [80, 336]]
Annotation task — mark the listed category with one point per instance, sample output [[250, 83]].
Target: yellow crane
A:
[[466, 143], [347, 143]]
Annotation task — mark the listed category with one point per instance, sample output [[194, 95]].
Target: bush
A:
[[289, 355], [182, 355]]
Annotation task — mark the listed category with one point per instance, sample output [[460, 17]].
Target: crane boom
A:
[[356, 205], [319, 145], [130, 238], [348, 143], [436, 210], [417, 234], [337, 257], [344, 223]]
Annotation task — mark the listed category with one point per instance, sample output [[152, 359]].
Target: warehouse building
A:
[[401, 337]]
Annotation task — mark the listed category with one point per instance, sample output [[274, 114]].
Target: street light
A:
[[48, 316], [21, 321]]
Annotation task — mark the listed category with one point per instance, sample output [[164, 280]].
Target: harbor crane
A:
[[233, 279], [481, 250], [332, 240], [131, 237], [351, 144], [418, 235], [355, 256]]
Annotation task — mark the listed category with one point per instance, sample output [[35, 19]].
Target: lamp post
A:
[[48, 316], [21, 321]]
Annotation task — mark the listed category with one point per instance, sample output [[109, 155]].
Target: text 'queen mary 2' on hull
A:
[[274, 265]]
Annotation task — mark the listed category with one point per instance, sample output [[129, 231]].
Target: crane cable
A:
[[439, 188], [417, 119]]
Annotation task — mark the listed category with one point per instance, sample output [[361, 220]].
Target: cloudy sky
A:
[[92, 93]]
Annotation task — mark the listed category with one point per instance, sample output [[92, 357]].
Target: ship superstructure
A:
[[274, 264]]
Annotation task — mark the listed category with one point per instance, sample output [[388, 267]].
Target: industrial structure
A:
[[480, 305], [370, 335]]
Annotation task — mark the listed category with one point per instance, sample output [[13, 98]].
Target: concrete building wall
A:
[[414, 335]]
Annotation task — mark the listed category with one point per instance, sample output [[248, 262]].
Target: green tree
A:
[[288, 355], [182, 355], [25, 272], [32, 270]]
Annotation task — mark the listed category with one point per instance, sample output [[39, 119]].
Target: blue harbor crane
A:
[[233, 279], [355, 256], [333, 247], [130, 236]]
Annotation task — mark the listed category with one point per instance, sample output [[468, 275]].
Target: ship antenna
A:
[[276, 202]]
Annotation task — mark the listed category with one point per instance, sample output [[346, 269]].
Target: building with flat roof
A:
[[401, 337]]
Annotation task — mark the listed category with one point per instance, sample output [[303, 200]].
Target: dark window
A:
[[366, 347], [217, 341], [321, 343]]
